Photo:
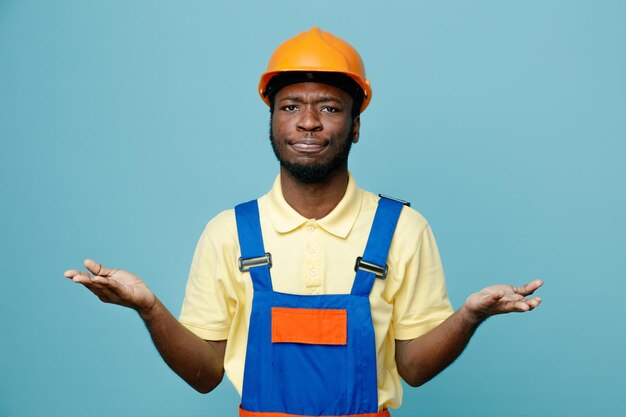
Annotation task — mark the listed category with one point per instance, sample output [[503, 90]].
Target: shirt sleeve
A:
[[421, 303], [209, 302]]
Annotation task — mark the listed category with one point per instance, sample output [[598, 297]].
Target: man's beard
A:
[[316, 173]]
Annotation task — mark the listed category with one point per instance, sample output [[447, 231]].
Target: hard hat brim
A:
[[364, 84]]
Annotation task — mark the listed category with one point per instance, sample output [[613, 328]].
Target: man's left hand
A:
[[501, 299]]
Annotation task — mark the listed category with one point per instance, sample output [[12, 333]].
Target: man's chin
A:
[[310, 173]]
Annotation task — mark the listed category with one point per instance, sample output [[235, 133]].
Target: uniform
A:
[[314, 257]]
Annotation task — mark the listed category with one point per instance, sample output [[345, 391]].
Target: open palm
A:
[[114, 286], [500, 299]]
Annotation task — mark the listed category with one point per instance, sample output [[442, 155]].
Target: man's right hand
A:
[[199, 362], [114, 286]]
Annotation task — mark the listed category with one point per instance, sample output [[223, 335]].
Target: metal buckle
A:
[[246, 263], [406, 203], [379, 271]]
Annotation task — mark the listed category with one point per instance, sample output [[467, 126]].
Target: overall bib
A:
[[312, 355]]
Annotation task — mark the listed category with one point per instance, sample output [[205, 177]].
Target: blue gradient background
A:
[[126, 125]]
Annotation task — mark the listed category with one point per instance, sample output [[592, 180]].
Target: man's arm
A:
[[199, 362], [419, 360]]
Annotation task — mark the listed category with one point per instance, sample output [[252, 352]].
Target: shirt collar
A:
[[338, 222]]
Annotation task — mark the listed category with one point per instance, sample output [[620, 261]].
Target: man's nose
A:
[[309, 120]]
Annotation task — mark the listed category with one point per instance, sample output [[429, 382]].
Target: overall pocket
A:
[[310, 359]]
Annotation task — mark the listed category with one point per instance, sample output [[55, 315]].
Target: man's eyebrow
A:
[[322, 99], [297, 99]]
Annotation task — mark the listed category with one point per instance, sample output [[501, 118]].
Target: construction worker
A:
[[318, 297]]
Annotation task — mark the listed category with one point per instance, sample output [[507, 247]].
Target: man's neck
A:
[[314, 201]]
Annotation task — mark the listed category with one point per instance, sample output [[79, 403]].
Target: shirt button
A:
[[310, 228], [312, 249], [313, 272]]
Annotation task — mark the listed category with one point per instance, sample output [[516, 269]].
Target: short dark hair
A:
[[336, 79]]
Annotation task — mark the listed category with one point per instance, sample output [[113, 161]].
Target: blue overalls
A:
[[312, 355]]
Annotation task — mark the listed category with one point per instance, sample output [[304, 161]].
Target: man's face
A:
[[312, 130]]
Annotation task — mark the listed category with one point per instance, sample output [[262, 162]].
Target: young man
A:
[[273, 297]]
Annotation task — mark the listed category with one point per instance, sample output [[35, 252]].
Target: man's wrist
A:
[[149, 311], [471, 317]]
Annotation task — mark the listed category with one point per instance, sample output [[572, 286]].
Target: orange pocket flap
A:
[[308, 325]]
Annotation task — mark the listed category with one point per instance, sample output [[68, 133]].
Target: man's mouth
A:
[[308, 145]]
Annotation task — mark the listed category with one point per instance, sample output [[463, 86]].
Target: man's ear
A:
[[356, 126]]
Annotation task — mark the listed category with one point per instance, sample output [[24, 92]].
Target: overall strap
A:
[[373, 263], [253, 255]]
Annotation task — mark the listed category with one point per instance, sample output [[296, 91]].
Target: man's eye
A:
[[290, 107], [330, 109]]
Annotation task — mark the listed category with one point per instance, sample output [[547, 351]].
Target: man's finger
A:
[[99, 287], [524, 305], [70, 273], [527, 289], [109, 283], [96, 268], [534, 302], [517, 306], [114, 287], [512, 297], [81, 277], [88, 283]]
